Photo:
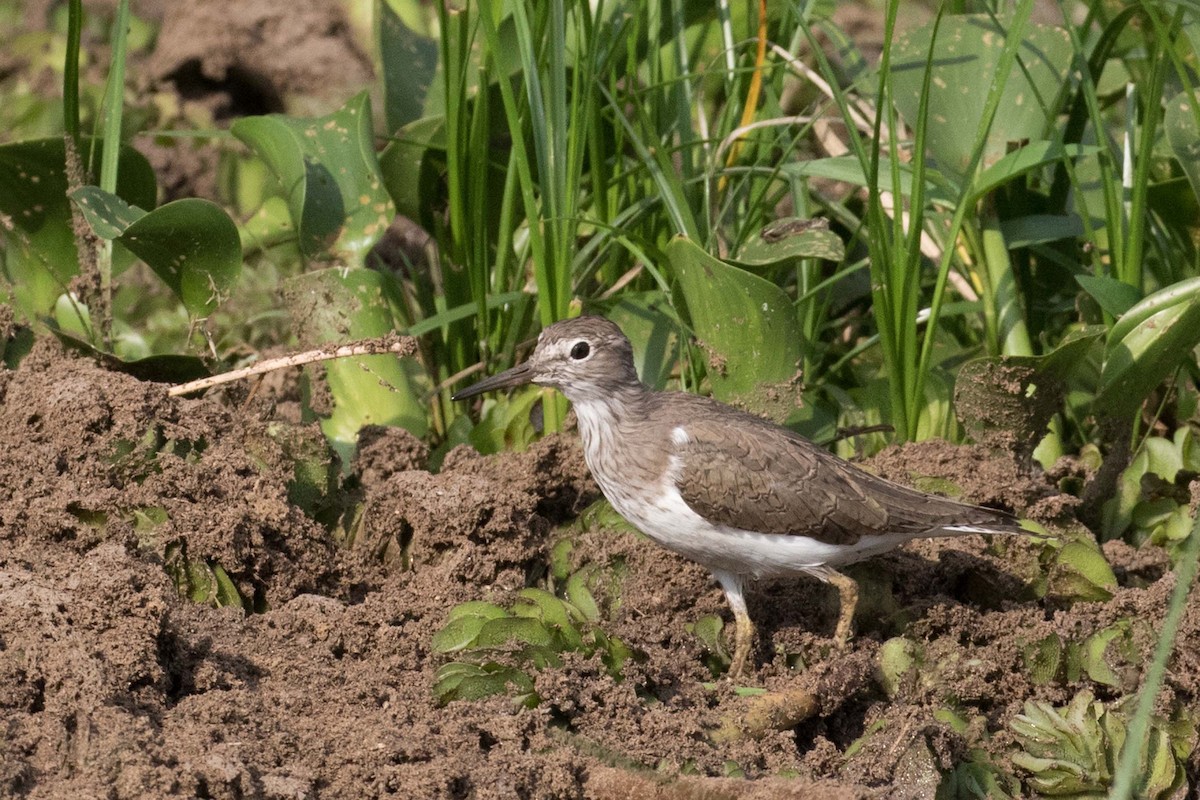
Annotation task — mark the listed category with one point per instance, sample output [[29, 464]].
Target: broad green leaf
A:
[[787, 239], [746, 328], [848, 169], [966, 58], [329, 173], [1181, 122], [409, 62], [1039, 229], [648, 321], [40, 256], [191, 244], [409, 177], [336, 305], [1146, 344], [506, 423], [107, 214], [1025, 159], [165, 368], [1114, 296]]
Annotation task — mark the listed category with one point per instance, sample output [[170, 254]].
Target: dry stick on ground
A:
[[392, 343]]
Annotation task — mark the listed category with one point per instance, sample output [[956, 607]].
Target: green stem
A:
[[110, 157], [71, 71]]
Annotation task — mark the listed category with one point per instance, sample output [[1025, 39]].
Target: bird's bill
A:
[[517, 376]]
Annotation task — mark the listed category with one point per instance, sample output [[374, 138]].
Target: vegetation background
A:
[[977, 222]]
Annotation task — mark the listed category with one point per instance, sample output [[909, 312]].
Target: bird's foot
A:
[[743, 640], [847, 604]]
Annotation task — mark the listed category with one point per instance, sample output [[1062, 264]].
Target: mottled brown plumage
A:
[[736, 493]]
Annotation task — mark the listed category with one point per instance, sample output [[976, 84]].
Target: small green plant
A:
[[1072, 751], [500, 646], [201, 580]]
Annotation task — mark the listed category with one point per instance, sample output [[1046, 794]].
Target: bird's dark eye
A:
[[580, 351]]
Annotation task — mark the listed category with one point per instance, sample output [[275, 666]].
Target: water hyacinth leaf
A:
[[788, 239], [966, 59], [1181, 123], [335, 305], [1025, 159], [409, 62], [40, 255], [1146, 344], [191, 245], [330, 175], [1114, 296], [408, 174], [746, 327], [848, 169]]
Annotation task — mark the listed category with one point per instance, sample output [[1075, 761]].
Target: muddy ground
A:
[[115, 686]]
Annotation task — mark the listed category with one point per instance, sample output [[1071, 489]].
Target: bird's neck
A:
[[602, 415]]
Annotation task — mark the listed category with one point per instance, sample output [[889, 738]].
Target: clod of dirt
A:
[[1006, 406], [383, 451]]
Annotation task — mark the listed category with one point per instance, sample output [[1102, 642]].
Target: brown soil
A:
[[115, 686]]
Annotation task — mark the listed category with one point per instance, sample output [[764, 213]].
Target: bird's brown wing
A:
[[763, 478]]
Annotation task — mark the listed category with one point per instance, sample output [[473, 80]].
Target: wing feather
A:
[[757, 476]]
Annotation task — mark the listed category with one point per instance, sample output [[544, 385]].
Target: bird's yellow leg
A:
[[847, 603], [743, 638]]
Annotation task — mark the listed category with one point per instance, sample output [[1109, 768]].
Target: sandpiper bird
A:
[[740, 495]]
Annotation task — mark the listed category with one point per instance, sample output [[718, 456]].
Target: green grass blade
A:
[[1128, 767]]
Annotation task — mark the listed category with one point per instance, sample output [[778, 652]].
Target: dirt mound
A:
[[111, 495]]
